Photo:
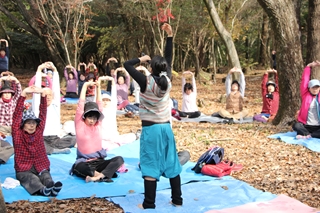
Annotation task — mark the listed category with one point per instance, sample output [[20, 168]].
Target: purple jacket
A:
[[72, 83], [306, 96]]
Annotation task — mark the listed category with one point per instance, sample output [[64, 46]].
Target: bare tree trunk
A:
[[213, 61], [313, 41], [264, 59], [283, 19], [223, 33], [3, 208]]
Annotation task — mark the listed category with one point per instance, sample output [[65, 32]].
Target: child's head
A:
[[49, 95], [314, 86], [29, 121], [82, 76], [91, 114], [121, 79], [106, 99], [82, 68], [2, 52], [49, 73], [271, 86], [235, 86], [188, 88], [6, 92], [71, 75]]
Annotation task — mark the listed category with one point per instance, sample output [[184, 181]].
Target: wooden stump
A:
[[3, 208]]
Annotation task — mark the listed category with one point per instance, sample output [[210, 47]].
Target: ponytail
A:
[[163, 83]]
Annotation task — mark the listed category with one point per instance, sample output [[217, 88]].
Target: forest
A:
[[210, 38]]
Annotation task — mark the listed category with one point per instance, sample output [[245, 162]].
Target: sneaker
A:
[[138, 134], [176, 116], [129, 114]]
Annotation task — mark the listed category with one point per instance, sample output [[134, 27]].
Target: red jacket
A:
[[306, 96], [270, 106], [29, 149]]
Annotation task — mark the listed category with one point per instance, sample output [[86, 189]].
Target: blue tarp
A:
[[290, 137], [200, 193]]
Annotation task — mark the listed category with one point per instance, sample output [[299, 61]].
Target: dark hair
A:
[[3, 49], [236, 82], [92, 114], [82, 68], [158, 65], [121, 75], [188, 86], [71, 74]]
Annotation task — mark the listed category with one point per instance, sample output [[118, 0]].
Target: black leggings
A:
[[190, 114], [107, 167], [305, 130]]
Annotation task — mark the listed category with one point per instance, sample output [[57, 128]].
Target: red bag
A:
[[218, 170], [221, 169]]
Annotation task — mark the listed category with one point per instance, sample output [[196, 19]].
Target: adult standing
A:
[[158, 156], [4, 57]]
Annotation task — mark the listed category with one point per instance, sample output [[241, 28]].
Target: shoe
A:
[[228, 121], [176, 116], [105, 179], [138, 134], [129, 114]]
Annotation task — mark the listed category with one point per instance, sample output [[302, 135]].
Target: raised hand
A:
[[187, 72], [314, 64], [167, 27], [108, 78], [235, 69], [112, 59], [145, 58]]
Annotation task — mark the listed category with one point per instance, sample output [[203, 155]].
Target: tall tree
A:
[[264, 59], [60, 25], [313, 40], [223, 33], [284, 23]]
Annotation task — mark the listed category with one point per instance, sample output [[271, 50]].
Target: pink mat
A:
[[281, 204]]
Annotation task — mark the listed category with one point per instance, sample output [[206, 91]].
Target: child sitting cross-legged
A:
[[189, 101], [110, 136], [308, 124], [235, 97], [270, 98]]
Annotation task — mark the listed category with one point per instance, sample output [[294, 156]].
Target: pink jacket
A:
[[306, 97]]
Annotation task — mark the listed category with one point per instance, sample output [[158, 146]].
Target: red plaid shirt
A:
[[7, 109], [29, 149]]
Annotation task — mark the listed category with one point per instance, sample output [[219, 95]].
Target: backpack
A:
[[213, 155]]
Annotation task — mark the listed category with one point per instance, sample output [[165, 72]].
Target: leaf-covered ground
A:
[[269, 164]]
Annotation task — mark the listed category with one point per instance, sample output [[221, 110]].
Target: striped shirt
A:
[[154, 102]]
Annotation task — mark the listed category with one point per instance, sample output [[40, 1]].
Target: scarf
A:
[[6, 100]]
